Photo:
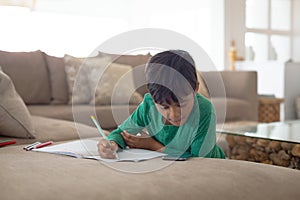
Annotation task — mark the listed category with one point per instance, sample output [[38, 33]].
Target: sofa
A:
[[35, 106], [41, 81]]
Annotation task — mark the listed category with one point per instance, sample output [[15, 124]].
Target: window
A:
[[269, 29]]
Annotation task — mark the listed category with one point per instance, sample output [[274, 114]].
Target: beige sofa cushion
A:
[[202, 86], [14, 117], [235, 89], [58, 79], [92, 80], [135, 61], [231, 109], [115, 86], [47, 129], [140, 61], [77, 76], [32, 175], [82, 113], [29, 74]]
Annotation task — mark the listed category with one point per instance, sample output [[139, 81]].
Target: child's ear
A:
[[197, 88]]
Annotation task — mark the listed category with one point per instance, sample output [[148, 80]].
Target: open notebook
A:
[[87, 148]]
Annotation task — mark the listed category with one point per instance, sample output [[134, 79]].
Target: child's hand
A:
[[107, 151], [142, 142]]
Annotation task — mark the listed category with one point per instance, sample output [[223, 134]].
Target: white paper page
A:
[[79, 148], [88, 149], [131, 155]]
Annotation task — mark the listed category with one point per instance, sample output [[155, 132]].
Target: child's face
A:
[[176, 113]]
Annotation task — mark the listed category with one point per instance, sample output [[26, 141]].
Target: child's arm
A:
[[133, 124], [204, 145], [142, 142]]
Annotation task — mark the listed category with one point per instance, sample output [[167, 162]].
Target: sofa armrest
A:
[[239, 85]]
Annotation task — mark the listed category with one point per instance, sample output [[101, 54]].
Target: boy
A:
[[178, 119]]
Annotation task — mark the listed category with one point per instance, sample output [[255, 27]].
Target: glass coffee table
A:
[[275, 143]]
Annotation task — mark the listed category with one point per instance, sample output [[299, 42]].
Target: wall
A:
[[234, 27], [296, 22]]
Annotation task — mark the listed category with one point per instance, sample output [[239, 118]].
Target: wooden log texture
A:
[[264, 151]]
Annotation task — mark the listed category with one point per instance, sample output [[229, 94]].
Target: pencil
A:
[[102, 133]]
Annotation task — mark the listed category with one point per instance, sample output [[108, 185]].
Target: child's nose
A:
[[174, 112]]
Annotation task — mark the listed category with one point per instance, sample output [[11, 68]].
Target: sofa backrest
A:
[[57, 78], [235, 83], [239, 85], [29, 74], [139, 63]]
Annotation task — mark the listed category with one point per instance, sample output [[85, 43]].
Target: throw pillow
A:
[[77, 78], [58, 81], [113, 85], [85, 86], [134, 61], [15, 120], [202, 86]]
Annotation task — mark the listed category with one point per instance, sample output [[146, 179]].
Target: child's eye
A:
[[165, 107]]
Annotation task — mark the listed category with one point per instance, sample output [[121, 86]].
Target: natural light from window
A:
[[77, 27]]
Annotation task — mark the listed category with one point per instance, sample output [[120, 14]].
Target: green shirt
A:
[[196, 137]]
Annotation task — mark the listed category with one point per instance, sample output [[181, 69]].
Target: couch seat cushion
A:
[[32, 175], [57, 130], [82, 113]]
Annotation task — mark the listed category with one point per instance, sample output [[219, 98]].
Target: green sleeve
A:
[[133, 125], [117, 137], [204, 144]]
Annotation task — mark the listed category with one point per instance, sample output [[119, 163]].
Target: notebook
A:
[[87, 148]]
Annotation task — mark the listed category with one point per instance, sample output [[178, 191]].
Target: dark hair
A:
[[171, 75]]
